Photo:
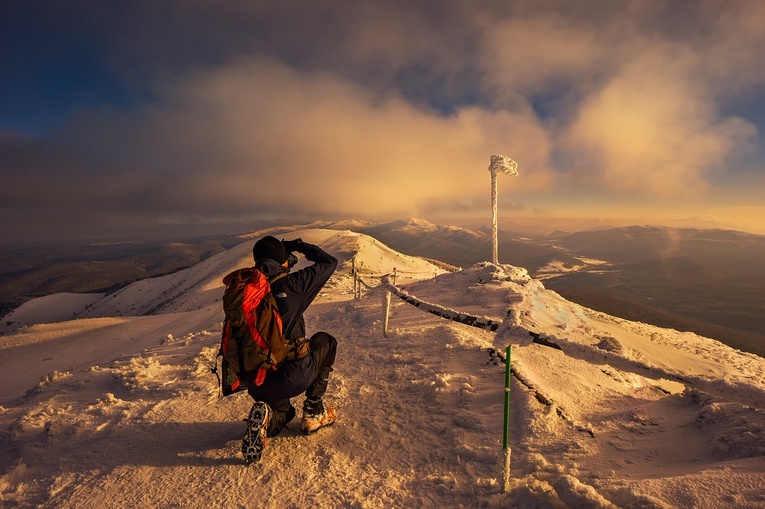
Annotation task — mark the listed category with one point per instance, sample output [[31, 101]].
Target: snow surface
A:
[[117, 407]]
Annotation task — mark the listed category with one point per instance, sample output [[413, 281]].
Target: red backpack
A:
[[253, 341]]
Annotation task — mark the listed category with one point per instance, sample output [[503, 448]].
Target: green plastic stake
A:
[[507, 396], [506, 449]]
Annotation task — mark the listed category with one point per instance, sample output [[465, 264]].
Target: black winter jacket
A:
[[295, 292]]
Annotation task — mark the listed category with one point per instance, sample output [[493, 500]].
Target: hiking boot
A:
[[315, 416], [257, 428]]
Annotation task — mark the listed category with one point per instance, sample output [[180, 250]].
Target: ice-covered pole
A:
[[507, 165], [386, 312]]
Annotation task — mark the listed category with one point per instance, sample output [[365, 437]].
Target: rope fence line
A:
[[388, 284], [450, 314]]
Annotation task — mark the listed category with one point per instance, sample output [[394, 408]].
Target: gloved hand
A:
[[293, 245]]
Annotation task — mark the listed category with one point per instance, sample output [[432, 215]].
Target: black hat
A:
[[270, 247]]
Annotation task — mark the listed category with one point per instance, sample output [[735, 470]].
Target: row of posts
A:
[[358, 283]]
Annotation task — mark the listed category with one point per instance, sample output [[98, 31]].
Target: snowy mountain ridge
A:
[[116, 406]]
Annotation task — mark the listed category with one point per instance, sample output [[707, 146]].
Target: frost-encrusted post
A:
[[506, 432], [386, 312], [507, 165]]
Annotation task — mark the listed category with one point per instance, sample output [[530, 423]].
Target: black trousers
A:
[[309, 374]]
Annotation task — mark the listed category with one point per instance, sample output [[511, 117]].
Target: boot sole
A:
[[254, 440]]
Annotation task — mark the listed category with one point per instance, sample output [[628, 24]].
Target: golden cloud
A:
[[653, 128], [260, 131]]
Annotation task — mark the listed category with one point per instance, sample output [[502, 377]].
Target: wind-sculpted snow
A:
[[523, 305], [120, 409]]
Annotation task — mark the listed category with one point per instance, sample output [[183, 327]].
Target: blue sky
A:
[[170, 117]]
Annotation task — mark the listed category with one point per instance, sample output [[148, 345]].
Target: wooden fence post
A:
[[386, 312]]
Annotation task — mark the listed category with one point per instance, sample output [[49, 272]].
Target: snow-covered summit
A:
[[118, 408], [413, 224]]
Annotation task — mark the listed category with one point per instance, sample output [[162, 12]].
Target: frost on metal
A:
[[503, 163], [506, 165]]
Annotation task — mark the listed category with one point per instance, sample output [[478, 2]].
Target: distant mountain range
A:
[[102, 267], [711, 282]]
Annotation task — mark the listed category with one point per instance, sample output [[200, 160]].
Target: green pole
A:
[[506, 449], [507, 396]]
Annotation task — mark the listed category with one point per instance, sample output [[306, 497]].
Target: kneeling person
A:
[[308, 372]]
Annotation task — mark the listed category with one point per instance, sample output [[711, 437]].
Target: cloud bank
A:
[[378, 111]]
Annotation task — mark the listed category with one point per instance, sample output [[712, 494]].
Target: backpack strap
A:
[[277, 277], [299, 347], [240, 349]]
